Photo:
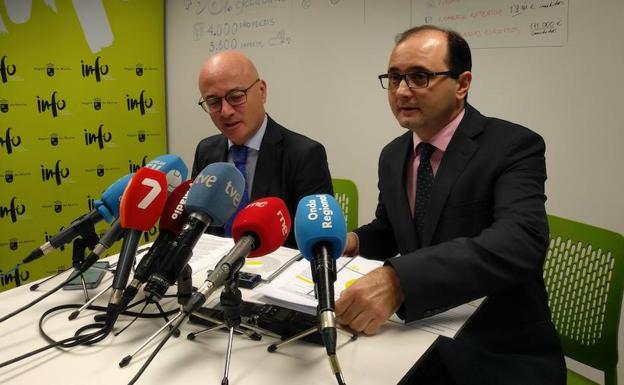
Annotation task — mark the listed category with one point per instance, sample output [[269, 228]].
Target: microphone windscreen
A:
[[268, 220], [319, 220], [173, 167], [108, 205], [143, 200], [174, 215], [216, 191]]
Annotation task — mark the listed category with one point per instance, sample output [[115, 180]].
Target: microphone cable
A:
[[101, 332], [41, 297]]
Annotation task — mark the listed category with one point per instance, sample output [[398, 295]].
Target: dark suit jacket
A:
[[485, 234], [290, 166]]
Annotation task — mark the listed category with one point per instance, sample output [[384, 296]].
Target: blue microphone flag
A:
[[108, 205], [216, 191], [319, 220], [173, 167]]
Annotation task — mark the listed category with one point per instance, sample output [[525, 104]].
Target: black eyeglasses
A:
[[415, 79], [234, 98]]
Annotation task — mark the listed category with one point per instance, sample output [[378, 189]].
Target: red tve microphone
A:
[[141, 205], [258, 229]]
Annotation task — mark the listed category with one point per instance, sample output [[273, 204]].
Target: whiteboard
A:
[[556, 70]]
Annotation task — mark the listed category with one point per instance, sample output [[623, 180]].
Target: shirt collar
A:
[[442, 138], [256, 140]]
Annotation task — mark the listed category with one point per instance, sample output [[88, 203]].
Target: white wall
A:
[[322, 82]]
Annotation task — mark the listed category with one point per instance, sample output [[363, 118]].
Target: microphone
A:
[[258, 229], [171, 220], [141, 205], [106, 208], [212, 199], [321, 232], [173, 167]]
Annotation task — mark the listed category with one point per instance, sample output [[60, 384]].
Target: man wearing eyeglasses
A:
[[274, 160], [460, 216]]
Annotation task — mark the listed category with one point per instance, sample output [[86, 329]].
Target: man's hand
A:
[[370, 301], [352, 246]]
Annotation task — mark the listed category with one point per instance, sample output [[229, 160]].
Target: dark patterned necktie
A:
[[239, 157], [424, 181]]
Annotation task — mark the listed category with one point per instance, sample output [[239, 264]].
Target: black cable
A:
[[132, 321], [78, 338], [96, 308], [41, 298], [157, 349], [32, 353], [36, 285]]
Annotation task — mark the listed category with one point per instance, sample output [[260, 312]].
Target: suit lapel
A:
[[459, 151], [399, 195], [218, 151], [268, 160]]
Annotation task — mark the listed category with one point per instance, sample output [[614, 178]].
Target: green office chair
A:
[[346, 194], [583, 273]]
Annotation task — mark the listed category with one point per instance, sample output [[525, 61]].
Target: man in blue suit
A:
[[460, 216], [277, 162]]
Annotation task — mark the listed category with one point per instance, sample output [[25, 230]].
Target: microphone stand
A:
[[325, 325], [77, 312], [333, 359], [185, 288], [79, 249], [87, 239], [231, 302], [273, 347]]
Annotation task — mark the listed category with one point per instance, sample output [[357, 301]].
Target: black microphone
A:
[[213, 197], [112, 235], [170, 225], [106, 208]]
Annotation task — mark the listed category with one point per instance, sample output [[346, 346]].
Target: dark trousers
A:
[[430, 370]]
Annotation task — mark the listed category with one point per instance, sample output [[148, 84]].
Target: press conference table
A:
[[380, 359]]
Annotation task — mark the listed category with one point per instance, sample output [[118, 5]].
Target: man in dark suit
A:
[[461, 201], [276, 161]]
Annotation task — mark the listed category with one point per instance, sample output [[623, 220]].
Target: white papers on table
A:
[[210, 249], [294, 287], [450, 322]]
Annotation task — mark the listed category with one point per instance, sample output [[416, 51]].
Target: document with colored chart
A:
[[294, 287]]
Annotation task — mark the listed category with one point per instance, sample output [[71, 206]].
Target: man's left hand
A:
[[370, 301]]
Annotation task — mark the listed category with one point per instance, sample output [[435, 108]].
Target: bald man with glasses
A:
[[275, 161]]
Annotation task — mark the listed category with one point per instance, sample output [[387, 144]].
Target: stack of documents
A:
[[287, 281]]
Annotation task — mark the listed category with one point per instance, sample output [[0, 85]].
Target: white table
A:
[[380, 359]]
